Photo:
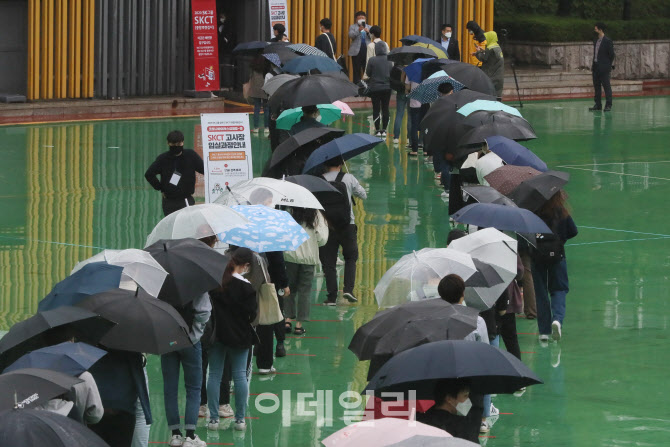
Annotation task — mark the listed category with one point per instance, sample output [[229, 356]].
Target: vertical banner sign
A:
[[278, 14], [226, 147], [205, 45]]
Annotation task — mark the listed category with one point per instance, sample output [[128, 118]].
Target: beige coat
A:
[[308, 252]]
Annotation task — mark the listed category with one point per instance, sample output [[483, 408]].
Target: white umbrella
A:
[[486, 165], [139, 268], [268, 191], [196, 222], [417, 272], [496, 249], [381, 432]]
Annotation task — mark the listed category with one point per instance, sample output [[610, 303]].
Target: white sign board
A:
[[226, 151], [278, 14]]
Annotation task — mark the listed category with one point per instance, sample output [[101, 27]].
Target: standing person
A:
[[300, 266], [371, 50], [226, 37], [345, 236], [235, 307], [529, 306], [256, 81], [326, 41], [279, 31], [309, 118], [414, 118], [177, 168], [449, 43], [493, 63], [477, 33], [360, 38], [397, 81], [550, 277], [603, 64], [441, 165], [378, 71]]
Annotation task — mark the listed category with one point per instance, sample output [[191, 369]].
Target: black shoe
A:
[[594, 108], [607, 108], [350, 297], [329, 303], [280, 351]]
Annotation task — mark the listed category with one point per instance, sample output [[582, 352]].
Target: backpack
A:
[[548, 249], [336, 207], [395, 79]]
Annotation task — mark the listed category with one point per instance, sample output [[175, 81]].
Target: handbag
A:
[[269, 311], [341, 61], [245, 89]]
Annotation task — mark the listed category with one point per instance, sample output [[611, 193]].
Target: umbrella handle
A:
[[231, 193]]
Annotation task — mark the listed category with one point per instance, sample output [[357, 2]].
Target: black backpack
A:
[[336, 207], [549, 247]]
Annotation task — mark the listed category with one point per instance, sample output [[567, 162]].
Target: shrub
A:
[[586, 9]]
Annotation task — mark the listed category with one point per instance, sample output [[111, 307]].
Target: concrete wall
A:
[[634, 59], [13, 46]]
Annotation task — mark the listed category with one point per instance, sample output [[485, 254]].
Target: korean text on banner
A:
[[205, 45], [226, 148], [278, 13]]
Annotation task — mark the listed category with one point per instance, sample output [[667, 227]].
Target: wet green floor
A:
[[69, 190]]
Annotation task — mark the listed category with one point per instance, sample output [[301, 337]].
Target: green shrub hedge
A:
[[569, 29], [585, 9]]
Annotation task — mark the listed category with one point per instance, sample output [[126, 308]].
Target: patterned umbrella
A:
[[508, 177], [274, 58], [427, 91], [306, 49]]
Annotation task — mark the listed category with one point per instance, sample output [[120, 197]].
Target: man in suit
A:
[[603, 64], [359, 33], [449, 43]]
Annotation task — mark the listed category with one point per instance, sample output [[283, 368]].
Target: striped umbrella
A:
[[427, 91], [306, 49]]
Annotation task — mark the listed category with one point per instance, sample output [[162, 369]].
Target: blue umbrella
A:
[[250, 46], [491, 106], [68, 358], [515, 154], [274, 58], [413, 70], [93, 278], [306, 64], [427, 92], [501, 217], [268, 230], [346, 147]]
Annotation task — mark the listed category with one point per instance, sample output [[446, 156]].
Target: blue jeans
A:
[[401, 101], [414, 130], [258, 103], [487, 397], [218, 354], [550, 281], [191, 360]]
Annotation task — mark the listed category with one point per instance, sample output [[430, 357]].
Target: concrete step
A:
[[530, 89], [546, 76]]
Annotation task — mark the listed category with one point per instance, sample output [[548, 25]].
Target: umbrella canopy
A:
[[488, 106], [274, 58], [35, 428], [488, 369], [486, 165], [506, 178], [414, 39], [432, 441], [197, 221], [346, 147], [329, 113], [485, 276], [268, 230], [91, 279], [303, 143], [313, 184], [274, 47], [501, 217], [406, 55], [306, 64], [67, 357], [486, 194], [344, 107], [250, 47], [138, 267], [427, 91], [430, 44], [44, 327], [25, 388], [272, 84], [515, 154], [145, 325], [531, 194], [405, 281], [194, 268], [489, 124], [413, 70], [470, 76], [305, 49], [269, 192], [311, 90], [383, 432], [498, 251]]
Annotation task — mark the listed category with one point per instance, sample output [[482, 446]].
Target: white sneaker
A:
[[484, 428], [213, 425], [544, 340], [383, 134], [339, 262], [202, 412], [494, 411], [396, 140], [176, 441], [255, 130], [265, 372], [240, 425], [555, 355], [194, 442], [266, 132], [520, 392], [556, 331], [226, 411], [378, 134], [444, 195]]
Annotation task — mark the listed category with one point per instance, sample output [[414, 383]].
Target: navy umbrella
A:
[[487, 194], [414, 70], [67, 357], [531, 194], [312, 183], [488, 370], [346, 147], [501, 217], [305, 64], [25, 388], [515, 154], [305, 141], [250, 47]]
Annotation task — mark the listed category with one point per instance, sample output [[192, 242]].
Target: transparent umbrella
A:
[[270, 192], [415, 274]]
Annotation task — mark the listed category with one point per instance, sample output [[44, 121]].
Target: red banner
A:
[[205, 45]]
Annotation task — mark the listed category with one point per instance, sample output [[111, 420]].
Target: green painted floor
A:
[[69, 190]]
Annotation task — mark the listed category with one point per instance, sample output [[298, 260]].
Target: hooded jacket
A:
[[493, 63], [378, 70]]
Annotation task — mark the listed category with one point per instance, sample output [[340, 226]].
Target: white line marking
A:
[[620, 240], [616, 163], [619, 173]]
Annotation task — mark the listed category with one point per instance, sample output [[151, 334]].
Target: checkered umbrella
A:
[[306, 49], [427, 91], [274, 58]]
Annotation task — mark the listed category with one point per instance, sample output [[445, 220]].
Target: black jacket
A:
[[453, 424], [234, 309], [187, 164], [605, 55], [453, 51], [323, 45]]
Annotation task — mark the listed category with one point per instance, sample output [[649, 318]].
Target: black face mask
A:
[[176, 150]]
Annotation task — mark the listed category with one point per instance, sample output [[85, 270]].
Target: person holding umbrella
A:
[[309, 119], [451, 409], [378, 72]]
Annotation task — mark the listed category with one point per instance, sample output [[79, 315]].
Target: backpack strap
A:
[[339, 177]]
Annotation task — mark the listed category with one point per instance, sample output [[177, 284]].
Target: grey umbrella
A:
[[487, 194], [485, 276], [272, 84], [432, 441], [28, 387], [534, 192]]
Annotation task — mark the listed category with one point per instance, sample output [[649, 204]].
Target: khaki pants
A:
[[529, 306]]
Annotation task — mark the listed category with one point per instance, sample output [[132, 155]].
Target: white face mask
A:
[[222, 20], [463, 408], [360, 22], [447, 35]]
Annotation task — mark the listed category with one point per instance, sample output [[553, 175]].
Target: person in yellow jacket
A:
[[493, 63], [478, 38]]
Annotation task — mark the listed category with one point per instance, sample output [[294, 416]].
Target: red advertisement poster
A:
[[205, 45]]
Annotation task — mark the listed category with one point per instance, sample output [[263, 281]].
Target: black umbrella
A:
[[314, 184], [304, 143], [34, 428], [470, 76], [487, 194], [311, 90], [273, 47], [487, 124], [25, 388], [485, 276], [145, 324], [252, 47], [488, 369], [533, 193], [51, 327], [406, 55], [193, 267]]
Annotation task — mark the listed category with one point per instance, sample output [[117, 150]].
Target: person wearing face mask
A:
[[449, 42], [451, 409], [177, 168], [226, 36], [359, 33], [326, 41], [279, 31], [309, 118]]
